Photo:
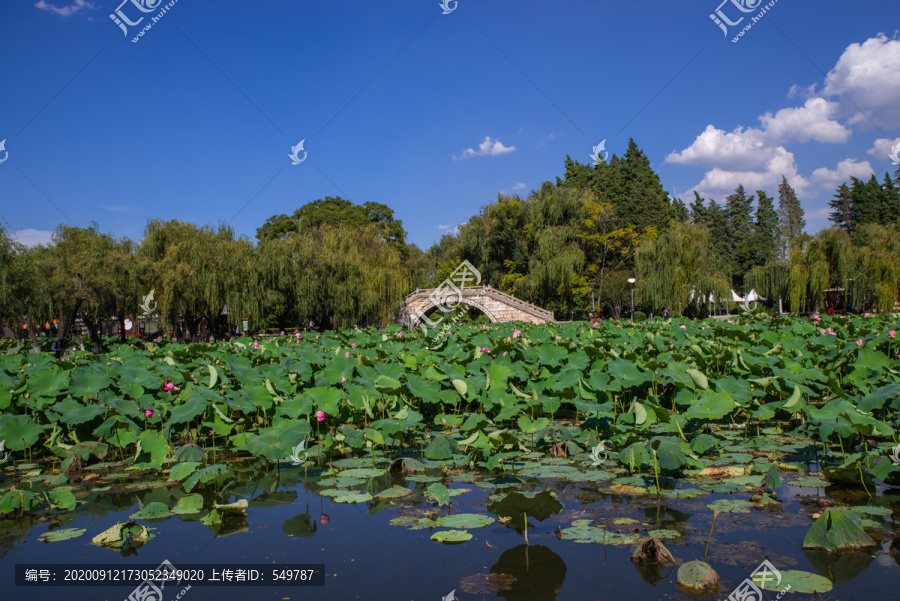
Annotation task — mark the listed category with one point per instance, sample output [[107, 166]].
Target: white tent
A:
[[735, 298], [753, 296]]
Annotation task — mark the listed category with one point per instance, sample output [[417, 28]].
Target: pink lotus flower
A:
[[517, 333], [485, 350], [282, 333], [347, 354], [325, 519], [892, 333], [400, 334], [830, 331], [343, 379], [867, 314], [559, 337], [354, 345], [859, 342], [320, 415], [148, 413], [596, 325], [683, 327], [255, 344], [508, 339], [168, 387]]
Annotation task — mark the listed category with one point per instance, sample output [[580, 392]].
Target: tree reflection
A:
[[539, 573]]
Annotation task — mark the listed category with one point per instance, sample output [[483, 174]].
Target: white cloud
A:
[[65, 11], [720, 182], [867, 78], [757, 157], [519, 186], [450, 229], [812, 121], [884, 148], [829, 179], [488, 148], [740, 149], [30, 237]]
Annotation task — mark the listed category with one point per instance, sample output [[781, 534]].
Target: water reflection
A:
[[539, 573], [838, 567]]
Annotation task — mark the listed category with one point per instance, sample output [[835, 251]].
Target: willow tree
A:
[[810, 271], [339, 277], [877, 267], [677, 270], [198, 271]]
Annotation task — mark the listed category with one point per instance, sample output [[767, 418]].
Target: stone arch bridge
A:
[[498, 306]]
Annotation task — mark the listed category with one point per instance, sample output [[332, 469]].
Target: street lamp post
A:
[[631, 282]]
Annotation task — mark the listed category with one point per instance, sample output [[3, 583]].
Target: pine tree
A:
[[866, 202], [717, 223], [766, 238], [790, 217], [698, 210], [739, 210], [890, 208], [636, 192], [842, 208]]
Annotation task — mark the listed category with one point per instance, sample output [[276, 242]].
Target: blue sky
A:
[[431, 114]]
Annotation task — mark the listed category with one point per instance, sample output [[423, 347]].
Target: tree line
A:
[[569, 246]]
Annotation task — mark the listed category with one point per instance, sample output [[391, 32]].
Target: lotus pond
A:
[[516, 461]]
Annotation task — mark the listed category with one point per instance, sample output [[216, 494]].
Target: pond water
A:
[[288, 521]]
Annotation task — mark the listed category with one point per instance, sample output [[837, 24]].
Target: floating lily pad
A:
[[465, 520], [483, 584], [122, 534], [394, 492], [362, 472], [353, 497], [451, 536], [592, 534], [412, 522], [871, 510], [152, 511], [664, 533], [60, 535], [799, 582], [192, 503], [684, 493], [423, 478], [809, 482], [698, 575], [731, 506]]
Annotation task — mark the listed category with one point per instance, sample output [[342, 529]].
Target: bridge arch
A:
[[498, 306], [424, 309]]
